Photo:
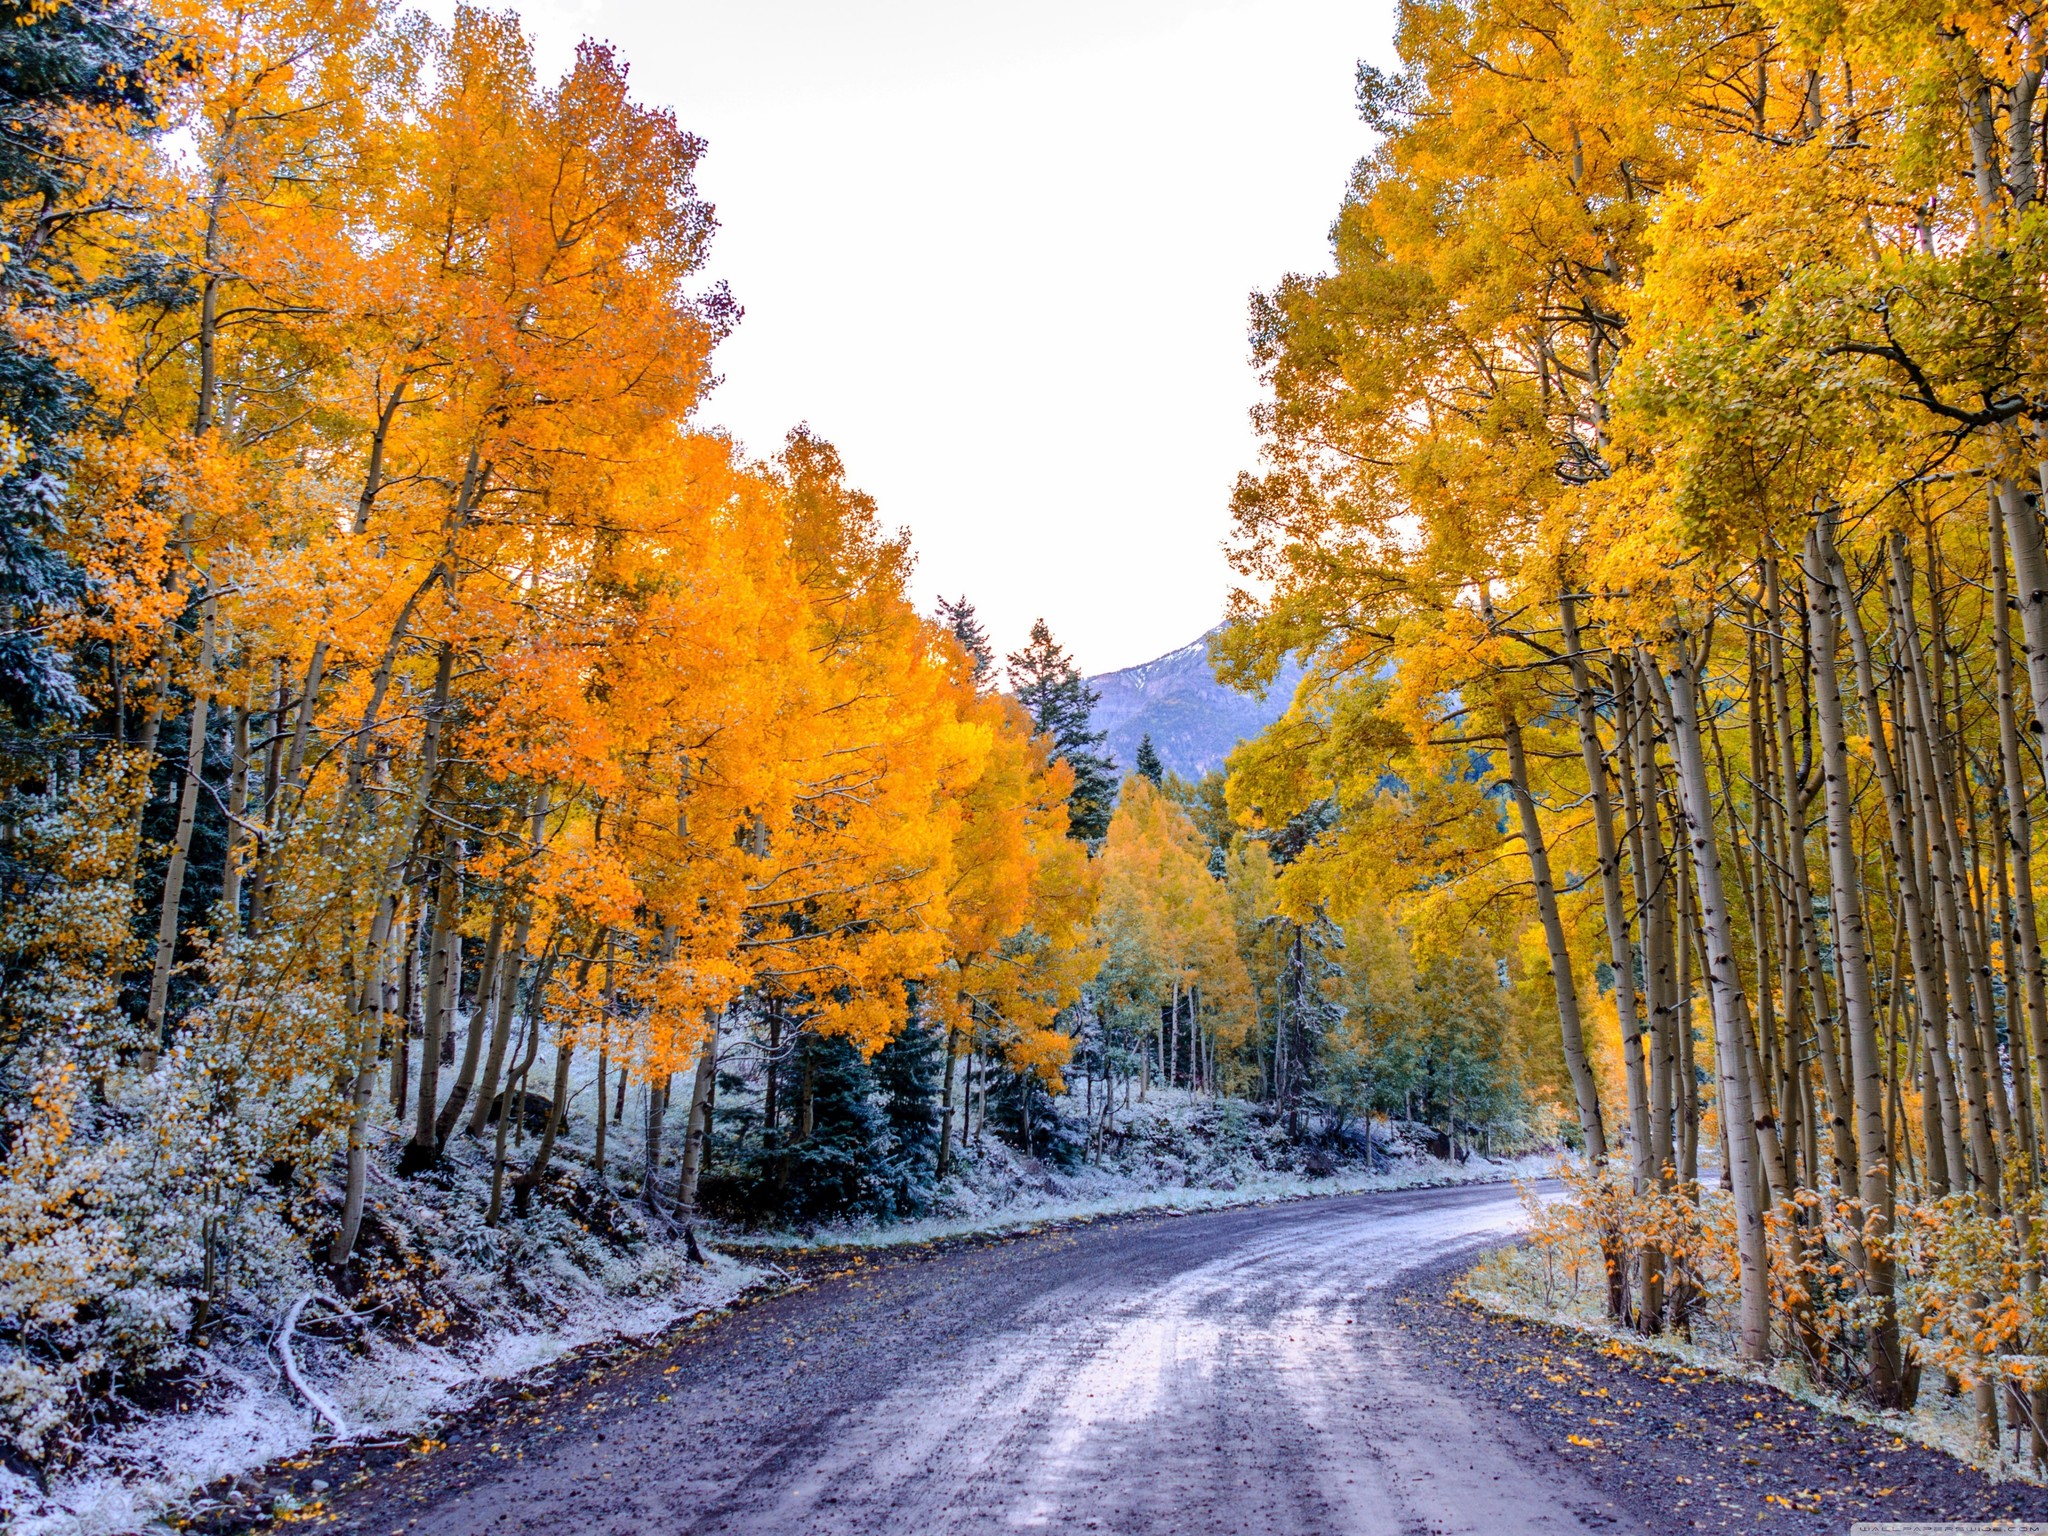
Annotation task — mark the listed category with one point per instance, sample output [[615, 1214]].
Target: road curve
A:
[[1233, 1372]]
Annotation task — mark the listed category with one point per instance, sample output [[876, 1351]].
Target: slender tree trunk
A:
[[604, 1053], [512, 1108], [1948, 902], [369, 1032], [443, 960], [2015, 1018], [373, 474], [806, 1105], [408, 1005], [946, 1101], [1927, 988], [770, 1126], [1653, 881], [292, 788], [1731, 1023], [1852, 968], [1584, 1089], [483, 1012], [657, 1116], [558, 1106], [1803, 943], [509, 967], [1620, 944], [238, 810], [1688, 1064], [1770, 1163], [360, 744], [2019, 824], [181, 849], [1171, 1048], [524, 1186], [698, 1132], [267, 838], [2030, 582]]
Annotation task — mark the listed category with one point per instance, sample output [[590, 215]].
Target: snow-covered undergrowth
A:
[[456, 1306], [1520, 1281], [453, 1306], [1176, 1151]]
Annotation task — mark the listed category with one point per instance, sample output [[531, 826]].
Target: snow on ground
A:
[[387, 1392], [1063, 1206], [522, 1296], [1177, 1151]]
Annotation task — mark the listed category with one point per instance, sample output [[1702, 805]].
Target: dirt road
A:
[[1230, 1372], [1293, 1369]]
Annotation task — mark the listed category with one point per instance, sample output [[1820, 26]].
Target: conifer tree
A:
[[957, 615], [1148, 765], [77, 85], [906, 1071], [833, 1159], [1048, 684]]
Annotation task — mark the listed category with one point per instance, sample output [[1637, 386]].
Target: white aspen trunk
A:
[[1570, 1029], [1927, 988], [1620, 945], [369, 1032], [946, 1100], [1803, 947], [181, 849], [441, 957], [698, 1131], [1852, 967], [238, 809], [2020, 822], [482, 1014], [650, 1156], [509, 967], [1652, 876], [512, 1107], [1688, 1061], [1729, 1008], [1948, 901], [524, 1186], [2030, 583]]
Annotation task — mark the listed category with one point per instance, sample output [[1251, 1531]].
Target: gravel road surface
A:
[[1230, 1372], [1300, 1368]]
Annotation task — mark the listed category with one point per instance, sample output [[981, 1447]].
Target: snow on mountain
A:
[[1193, 720]]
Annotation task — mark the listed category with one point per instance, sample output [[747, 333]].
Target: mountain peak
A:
[[1193, 720]]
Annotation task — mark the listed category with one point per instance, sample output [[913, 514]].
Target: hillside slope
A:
[[1193, 720]]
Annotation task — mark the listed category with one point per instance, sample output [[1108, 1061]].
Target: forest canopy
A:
[[1655, 481], [464, 814]]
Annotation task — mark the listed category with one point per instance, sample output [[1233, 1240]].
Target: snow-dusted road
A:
[[1233, 1372]]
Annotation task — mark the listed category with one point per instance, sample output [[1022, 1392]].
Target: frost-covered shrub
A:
[[61, 1255], [66, 1256]]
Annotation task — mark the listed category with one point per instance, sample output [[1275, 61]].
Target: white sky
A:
[[1000, 253]]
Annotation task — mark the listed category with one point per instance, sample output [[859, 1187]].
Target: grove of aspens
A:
[[425, 738]]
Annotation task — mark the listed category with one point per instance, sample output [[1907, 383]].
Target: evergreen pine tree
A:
[[1149, 766], [1307, 1012], [957, 614], [57, 62], [906, 1070], [837, 1168], [1022, 1110], [1049, 685]]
